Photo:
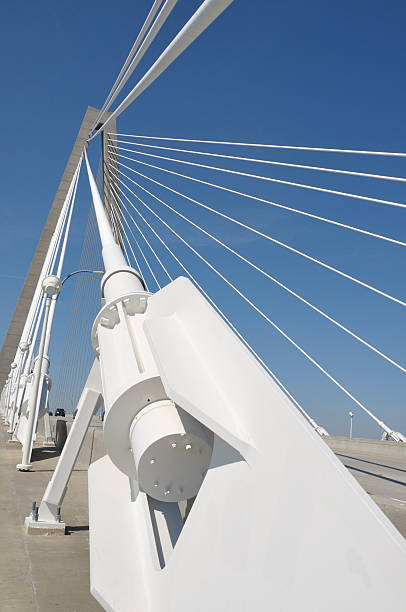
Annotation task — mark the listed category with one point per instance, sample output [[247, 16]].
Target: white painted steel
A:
[[290, 248], [273, 180], [88, 405], [208, 11], [171, 452], [257, 199], [278, 522], [383, 177], [32, 402], [116, 87], [150, 36], [264, 316], [119, 278], [258, 269], [28, 338], [320, 430], [131, 381], [268, 146]]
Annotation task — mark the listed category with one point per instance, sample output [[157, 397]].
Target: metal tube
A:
[[32, 402], [119, 278]]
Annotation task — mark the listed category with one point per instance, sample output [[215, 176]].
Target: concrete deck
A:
[[380, 468], [48, 574], [42, 574]]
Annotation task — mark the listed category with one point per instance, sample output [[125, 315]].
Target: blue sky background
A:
[[316, 74]]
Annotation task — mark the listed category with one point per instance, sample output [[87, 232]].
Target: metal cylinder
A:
[[171, 450]]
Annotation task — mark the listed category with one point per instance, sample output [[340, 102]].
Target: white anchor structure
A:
[[194, 506]]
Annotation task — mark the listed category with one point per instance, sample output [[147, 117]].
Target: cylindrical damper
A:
[[171, 450]]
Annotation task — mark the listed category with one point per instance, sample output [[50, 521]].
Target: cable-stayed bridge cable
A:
[[306, 256], [208, 11], [270, 146], [258, 199], [270, 162], [263, 315], [116, 87], [152, 33], [222, 314], [274, 280], [146, 240], [267, 178]]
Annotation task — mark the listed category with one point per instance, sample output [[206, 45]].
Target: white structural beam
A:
[[89, 403]]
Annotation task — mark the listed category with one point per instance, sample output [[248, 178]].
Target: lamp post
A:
[[351, 414]]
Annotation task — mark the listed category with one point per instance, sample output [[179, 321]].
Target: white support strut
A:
[[49, 509]]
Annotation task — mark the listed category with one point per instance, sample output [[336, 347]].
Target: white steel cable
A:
[[268, 179], [132, 250], [271, 162], [208, 11], [305, 255], [269, 146], [134, 48], [146, 240], [69, 219], [62, 223], [265, 201], [273, 279], [139, 248], [221, 313], [263, 315], [115, 216], [151, 35]]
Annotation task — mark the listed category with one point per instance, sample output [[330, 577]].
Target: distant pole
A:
[[351, 414]]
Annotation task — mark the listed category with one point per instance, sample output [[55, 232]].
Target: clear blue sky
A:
[[317, 74]]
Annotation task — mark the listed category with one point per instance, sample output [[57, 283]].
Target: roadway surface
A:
[[381, 475], [51, 574], [38, 573]]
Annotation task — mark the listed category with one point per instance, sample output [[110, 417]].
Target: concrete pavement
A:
[[380, 468], [42, 574]]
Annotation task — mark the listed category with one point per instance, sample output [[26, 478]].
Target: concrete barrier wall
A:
[[92, 447], [367, 446]]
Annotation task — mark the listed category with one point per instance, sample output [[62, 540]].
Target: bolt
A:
[[156, 483], [152, 461], [174, 445], [167, 491], [188, 446]]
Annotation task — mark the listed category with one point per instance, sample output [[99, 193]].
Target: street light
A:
[[351, 414]]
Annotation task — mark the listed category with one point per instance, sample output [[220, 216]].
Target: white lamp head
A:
[[24, 346], [51, 285]]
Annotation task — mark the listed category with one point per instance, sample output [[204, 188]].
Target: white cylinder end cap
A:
[[171, 450]]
